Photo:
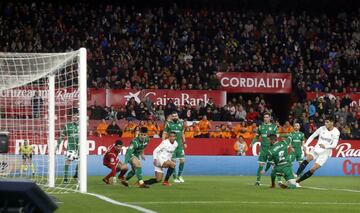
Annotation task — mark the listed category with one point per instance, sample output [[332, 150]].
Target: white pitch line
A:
[[316, 188], [240, 202], [347, 190], [109, 200], [332, 189]]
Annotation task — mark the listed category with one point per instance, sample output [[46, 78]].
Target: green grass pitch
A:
[[220, 194]]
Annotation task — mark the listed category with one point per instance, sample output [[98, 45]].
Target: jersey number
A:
[[281, 156]]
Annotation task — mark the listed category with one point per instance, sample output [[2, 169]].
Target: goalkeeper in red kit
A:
[[112, 161]]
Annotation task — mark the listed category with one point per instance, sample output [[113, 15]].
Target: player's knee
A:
[[182, 160], [172, 165], [262, 164], [124, 167], [309, 158]]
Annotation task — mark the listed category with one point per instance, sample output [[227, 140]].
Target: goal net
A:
[[43, 119]]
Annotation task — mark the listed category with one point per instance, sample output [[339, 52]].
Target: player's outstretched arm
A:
[[313, 136]]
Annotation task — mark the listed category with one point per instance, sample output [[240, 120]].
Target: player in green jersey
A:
[[264, 129], [297, 144], [177, 125], [71, 132], [133, 154], [277, 154]]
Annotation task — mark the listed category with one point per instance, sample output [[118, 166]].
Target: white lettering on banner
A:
[[253, 82], [24, 96], [184, 98], [255, 148], [101, 150], [353, 103], [42, 148], [344, 150], [91, 146]]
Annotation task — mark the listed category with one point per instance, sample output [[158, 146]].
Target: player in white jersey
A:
[[328, 140], [162, 159]]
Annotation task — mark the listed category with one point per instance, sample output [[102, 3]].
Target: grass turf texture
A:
[[221, 194]]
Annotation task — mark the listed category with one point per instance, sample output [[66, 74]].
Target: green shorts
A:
[[297, 155], [262, 156], [285, 171], [129, 157], [179, 152]]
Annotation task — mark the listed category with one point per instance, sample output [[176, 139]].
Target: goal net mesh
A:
[[24, 117]]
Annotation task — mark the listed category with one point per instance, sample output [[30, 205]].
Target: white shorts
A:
[[159, 162], [320, 156]]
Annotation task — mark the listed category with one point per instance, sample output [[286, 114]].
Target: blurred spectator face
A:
[[204, 118], [75, 118], [296, 127]]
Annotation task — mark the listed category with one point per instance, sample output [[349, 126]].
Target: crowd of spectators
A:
[[246, 114], [237, 109], [183, 48], [311, 115]]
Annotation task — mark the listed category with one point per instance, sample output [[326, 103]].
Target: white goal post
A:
[[43, 119]]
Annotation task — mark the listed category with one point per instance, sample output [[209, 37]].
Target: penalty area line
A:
[[109, 200]]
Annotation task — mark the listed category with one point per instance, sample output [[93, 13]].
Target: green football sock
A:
[[258, 174], [66, 171], [130, 175], [138, 173], [181, 169], [268, 165]]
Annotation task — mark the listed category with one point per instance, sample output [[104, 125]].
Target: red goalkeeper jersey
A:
[[111, 156]]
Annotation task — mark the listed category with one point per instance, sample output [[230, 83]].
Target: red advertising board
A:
[[355, 97], [197, 146], [245, 82], [159, 97]]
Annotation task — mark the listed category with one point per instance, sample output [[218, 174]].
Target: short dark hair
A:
[[174, 112], [272, 136], [173, 132], [267, 113], [143, 129], [330, 118], [118, 142]]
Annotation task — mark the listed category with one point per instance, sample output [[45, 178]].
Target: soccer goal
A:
[[43, 120]]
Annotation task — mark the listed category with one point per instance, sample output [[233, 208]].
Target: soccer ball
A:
[[71, 155]]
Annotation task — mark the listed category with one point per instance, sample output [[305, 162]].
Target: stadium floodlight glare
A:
[[40, 94]]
